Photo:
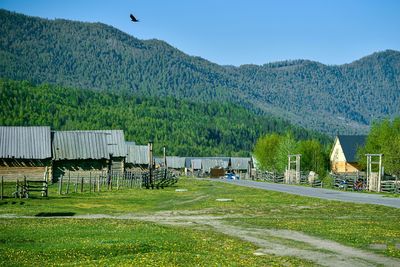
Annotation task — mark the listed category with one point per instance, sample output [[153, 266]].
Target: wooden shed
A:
[[137, 157], [25, 151], [240, 164], [176, 163], [343, 156], [117, 149], [80, 153]]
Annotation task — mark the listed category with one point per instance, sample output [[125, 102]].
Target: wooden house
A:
[[240, 164], [117, 149], [137, 156], [176, 163], [343, 156], [25, 151], [80, 153]]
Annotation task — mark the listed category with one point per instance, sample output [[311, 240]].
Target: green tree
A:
[[313, 156], [384, 138], [287, 146], [265, 151]]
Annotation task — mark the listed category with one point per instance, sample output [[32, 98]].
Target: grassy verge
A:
[[356, 225]]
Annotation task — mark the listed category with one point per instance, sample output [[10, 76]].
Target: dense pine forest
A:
[[186, 128], [331, 99]]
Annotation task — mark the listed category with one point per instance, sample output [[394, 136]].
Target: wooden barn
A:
[[80, 153], [137, 157], [25, 151], [343, 156], [240, 165], [117, 149], [176, 163]]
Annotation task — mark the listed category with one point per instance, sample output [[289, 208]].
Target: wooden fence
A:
[[358, 182], [75, 183], [159, 178]]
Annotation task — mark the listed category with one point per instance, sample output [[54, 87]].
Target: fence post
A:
[[16, 189], [69, 180], [2, 187], [60, 185], [24, 188], [90, 182], [82, 184]]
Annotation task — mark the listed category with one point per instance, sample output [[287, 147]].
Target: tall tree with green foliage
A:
[[287, 146], [384, 138], [271, 152], [265, 151], [313, 156]]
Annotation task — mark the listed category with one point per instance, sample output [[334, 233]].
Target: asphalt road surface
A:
[[323, 193]]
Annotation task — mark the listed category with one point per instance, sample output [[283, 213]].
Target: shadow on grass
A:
[[55, 214]]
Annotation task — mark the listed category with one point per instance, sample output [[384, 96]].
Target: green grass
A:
[[356, 225], [105, 242]]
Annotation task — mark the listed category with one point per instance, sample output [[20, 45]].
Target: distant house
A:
[[25, 151], [210, 163], [205, 164], [344, 152], [240, 164], [177, 163], [116, 147], [80, 153], [138, 156]]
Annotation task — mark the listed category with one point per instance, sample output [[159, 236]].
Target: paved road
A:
[[330, 194]]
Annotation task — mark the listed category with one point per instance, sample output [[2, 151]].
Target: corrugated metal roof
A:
[[208, 164], [195, 164], [79, 145], [137, 154], [350, 145], [175, 162], [115, 141], [240, 163], [188, 160], [25, 142]]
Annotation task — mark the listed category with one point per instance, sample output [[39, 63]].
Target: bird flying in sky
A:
[[133, 18]]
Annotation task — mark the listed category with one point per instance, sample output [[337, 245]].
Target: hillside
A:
[[343, 98], [186, 128]]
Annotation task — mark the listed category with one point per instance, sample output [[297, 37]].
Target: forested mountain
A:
[[343, 98], [186, 128]]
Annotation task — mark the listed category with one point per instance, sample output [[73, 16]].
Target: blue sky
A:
[[235, 32]]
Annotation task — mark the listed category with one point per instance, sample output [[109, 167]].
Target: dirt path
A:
[[270, 241]]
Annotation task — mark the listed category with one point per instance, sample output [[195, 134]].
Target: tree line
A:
[[185, 128]]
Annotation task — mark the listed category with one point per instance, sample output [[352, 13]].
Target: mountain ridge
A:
[[328, 98]]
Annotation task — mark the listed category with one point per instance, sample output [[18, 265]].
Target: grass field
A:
[[123, 227]]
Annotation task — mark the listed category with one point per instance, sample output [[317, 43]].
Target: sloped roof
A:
[[195, 164], [25, 142], [137, 154], [209, 163], [175, 162], [188, 160], [72, 145], [350, 145], [240, 163], [115, 142]]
